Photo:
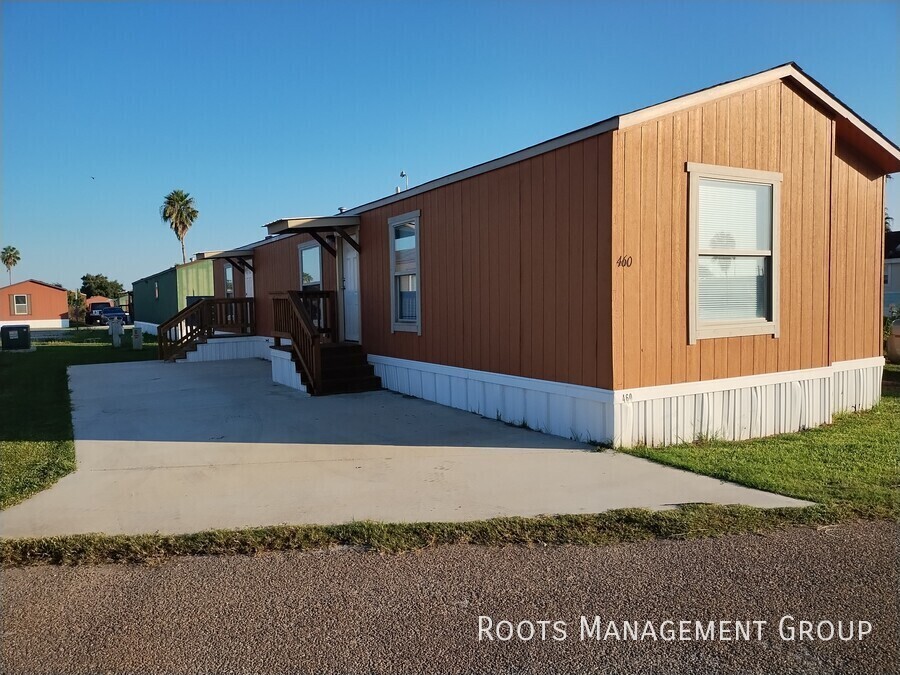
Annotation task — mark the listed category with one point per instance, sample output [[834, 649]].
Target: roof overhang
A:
[[311, 224], [850, 126]]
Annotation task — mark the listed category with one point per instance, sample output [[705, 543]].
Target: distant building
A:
[[35, 303], [891, 271]]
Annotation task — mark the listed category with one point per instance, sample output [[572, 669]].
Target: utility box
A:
[[137, 338], [15, 337]]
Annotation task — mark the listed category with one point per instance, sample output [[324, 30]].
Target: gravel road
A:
[[353, 611]]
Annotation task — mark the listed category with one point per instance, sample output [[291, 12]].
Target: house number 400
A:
[[624, 261]]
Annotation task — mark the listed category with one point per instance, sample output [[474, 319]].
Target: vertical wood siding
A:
[[857, 255], [771, 128], [219, 279], [277, 268], [514, 270]]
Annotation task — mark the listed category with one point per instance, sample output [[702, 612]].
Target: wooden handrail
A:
[[202, 320], [306, 318]]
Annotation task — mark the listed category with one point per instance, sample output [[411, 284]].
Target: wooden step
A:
[[348, 385]]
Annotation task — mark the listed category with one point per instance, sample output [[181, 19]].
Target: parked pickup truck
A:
[[94, 312], [108, 313]]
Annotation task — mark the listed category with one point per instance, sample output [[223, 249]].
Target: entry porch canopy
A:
[[316, 226]]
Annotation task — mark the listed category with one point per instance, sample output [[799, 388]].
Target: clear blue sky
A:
[[270, 109]]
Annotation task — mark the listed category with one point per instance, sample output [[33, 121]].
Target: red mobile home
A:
[[36, 303], [708, 266]]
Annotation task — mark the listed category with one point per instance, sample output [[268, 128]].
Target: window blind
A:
[[735, 215]]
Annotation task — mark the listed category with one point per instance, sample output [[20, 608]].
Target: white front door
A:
[[248, 283], [350, 291]]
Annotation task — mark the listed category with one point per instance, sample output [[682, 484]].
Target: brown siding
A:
[[46, 302], [219, 279], [514, 270], [857, 255], [277, 269], [771, 128]]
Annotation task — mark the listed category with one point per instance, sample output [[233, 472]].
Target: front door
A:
[[350, 292]]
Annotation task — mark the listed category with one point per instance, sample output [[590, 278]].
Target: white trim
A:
[[721, 172], [16, 305], [872, 362], [305, 246], [722, 384], [730, 408], [396, 324], [698, 330], [704, 95], [37, 323]]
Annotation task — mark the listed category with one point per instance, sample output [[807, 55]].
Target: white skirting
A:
[[572, 411], [227, 349], [37, 323], [284, 371], [146, 327], [732, 409], [857, 384]]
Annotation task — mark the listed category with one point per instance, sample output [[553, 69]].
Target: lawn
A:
[[852, 465], [36, 446]]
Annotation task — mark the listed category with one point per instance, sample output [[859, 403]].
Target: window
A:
[[156, 290], [734, 225], [310, 267], [20, 304], [406, 301], [229, 281]]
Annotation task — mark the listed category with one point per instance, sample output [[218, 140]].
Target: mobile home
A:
[[708, 266]]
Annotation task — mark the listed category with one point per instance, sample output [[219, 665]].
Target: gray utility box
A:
[[15, 337]]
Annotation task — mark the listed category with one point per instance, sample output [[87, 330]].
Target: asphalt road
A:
[[353, 611]]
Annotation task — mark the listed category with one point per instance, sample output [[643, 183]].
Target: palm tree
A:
[[10, 257], [178, 211]]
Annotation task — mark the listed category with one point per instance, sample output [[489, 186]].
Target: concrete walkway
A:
[[184, 447]]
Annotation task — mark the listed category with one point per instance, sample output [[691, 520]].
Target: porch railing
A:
[[202, 320], [307, 319]]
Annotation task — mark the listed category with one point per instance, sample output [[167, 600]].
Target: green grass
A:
[[851, 465], [625, 525], [36, 447]]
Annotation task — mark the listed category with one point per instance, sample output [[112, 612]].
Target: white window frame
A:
[[396, 324], [702, 330], [228, 268], [23, 305], [303, 247]]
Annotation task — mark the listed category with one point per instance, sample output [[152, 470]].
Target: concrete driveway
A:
[[184, 447]]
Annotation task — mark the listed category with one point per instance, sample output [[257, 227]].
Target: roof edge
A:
[[609, 124], [689, 100], [55, 287]]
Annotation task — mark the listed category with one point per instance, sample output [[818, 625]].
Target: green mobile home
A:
[[159, 296]]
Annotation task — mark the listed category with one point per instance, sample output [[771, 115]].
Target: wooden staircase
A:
[[345, 370], [204, 319], [325, 366]]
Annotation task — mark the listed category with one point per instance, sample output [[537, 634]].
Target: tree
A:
[[98, 284], [888, 219], [178, 211], [10, 257], [76, 305]]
